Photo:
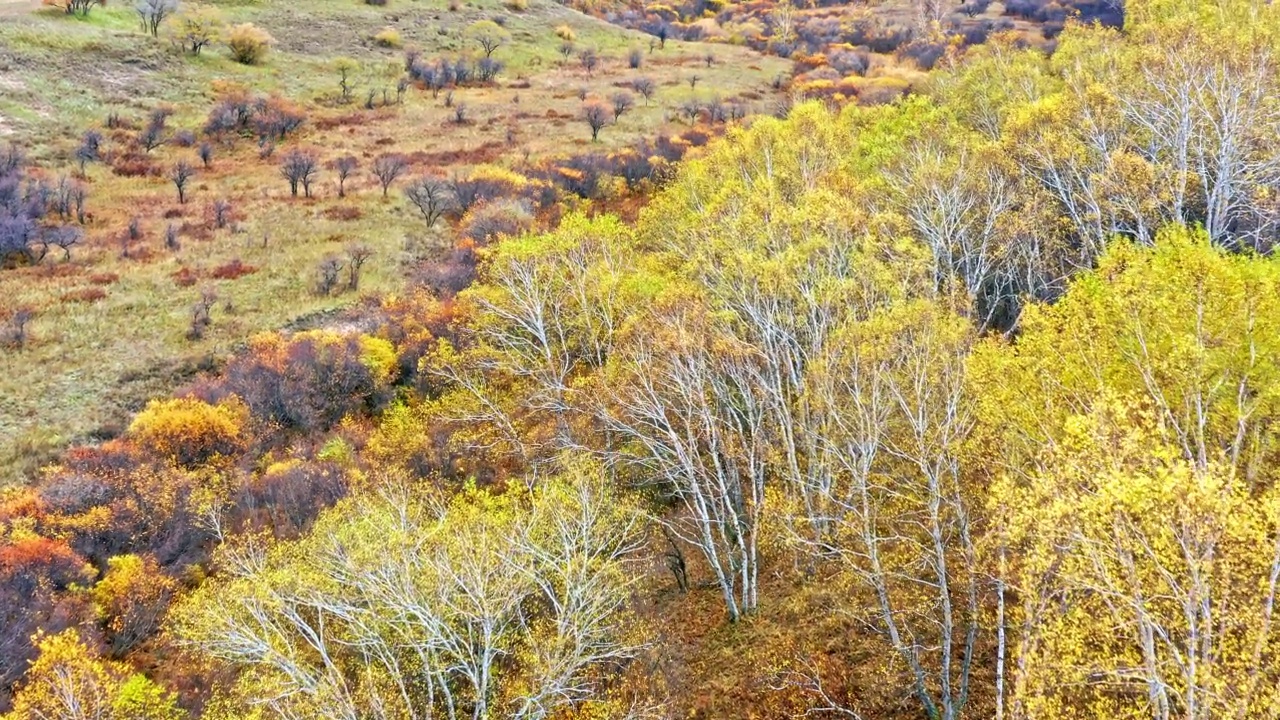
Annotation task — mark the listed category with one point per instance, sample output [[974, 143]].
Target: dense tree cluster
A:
[[476, 607]]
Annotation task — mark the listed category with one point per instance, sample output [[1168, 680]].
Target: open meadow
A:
[[112, 322]]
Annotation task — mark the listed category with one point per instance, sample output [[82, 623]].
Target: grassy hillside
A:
[[111, 330]]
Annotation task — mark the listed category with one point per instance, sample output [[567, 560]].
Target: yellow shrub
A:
[[517, 5], [337, 450], [379, 356], [282, 467], [499, 175], [388, 38], [195, 28], [191, 431], [248, 43], [816, 88], [131, 599], [879, 90], [666, 12], [566, 33]]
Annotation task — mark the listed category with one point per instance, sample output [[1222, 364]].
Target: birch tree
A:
[[402, 605]]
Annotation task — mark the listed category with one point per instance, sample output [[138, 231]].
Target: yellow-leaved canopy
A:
[[1130, 432], [406, 603], [69, 680]]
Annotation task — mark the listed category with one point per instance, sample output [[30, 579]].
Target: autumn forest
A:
[[883, 360]]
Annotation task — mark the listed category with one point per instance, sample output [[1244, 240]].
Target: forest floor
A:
[[111, 326]]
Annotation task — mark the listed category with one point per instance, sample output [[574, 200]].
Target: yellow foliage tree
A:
[[1130, 433], [407, 604], [131, 600], [68, 681], [197, 27]]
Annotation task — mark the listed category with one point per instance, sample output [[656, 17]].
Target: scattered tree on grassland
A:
[[222, 211], [590, 60], [153, 13], [299, 167], [596, 115], [343, 167], [75, 7], [646, 87], [432, 197], [357, 255], [180, 175], [622, 102], [489, 35], [205, 152], [90, 149], [345, 67], [153, 134], [329, 270], [388, 168], [197, 27]]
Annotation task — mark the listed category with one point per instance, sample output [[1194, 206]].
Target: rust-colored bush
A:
[[232, 270], [343, 213], [186, 277], [415, 321], [34, 575], [288, 496], [334, 121], [85, 295], [134, 164]]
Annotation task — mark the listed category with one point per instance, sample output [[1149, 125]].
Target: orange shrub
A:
[[186, 277], [805, 63], [35, 572], [134, 164], [344, 213]]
